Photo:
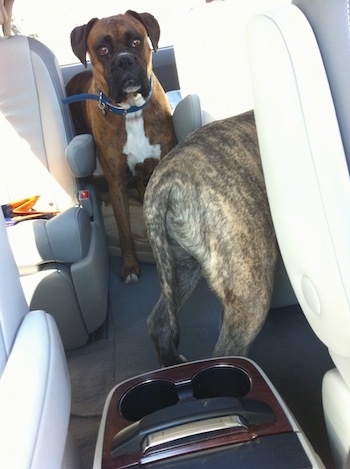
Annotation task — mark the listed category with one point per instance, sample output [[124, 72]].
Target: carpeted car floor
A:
[[286, 349]]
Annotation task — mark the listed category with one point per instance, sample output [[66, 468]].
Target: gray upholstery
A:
[[63, 261], [299, 58], [81, 155], [34, 380], [187, 116], [65, 238], [330, 23], [13, 305]]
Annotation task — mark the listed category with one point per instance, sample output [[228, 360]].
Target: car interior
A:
[[80, 383]]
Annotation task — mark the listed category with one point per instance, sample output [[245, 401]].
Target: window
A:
[[52, 22]]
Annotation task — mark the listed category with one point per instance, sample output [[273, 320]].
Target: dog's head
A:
[[119, 51]]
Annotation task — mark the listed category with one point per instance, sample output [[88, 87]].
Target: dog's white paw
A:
[[131, 278], [183, 359]]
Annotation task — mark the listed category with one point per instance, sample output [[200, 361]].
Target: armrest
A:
[[64, 238], [81, 155], [187, 116], [68, 235]]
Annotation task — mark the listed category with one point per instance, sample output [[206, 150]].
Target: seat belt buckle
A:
[[85, 201]]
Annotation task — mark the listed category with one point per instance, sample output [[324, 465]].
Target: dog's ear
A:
[[151, 25], [78, 38]]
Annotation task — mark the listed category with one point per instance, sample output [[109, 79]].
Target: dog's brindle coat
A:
[[207, 213], [129, 146]]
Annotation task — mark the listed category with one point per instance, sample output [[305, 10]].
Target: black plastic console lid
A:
[[251, 412]]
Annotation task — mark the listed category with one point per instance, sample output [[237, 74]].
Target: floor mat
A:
[[295, 360], [92, 373], [132, 303]]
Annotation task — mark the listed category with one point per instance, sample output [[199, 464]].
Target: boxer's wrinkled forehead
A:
[[117, 32], [132, 28]]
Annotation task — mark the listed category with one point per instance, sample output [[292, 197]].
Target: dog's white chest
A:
[[137, 147]]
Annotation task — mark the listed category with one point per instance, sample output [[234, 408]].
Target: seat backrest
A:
[[300, 71], [211, 55], [305, 169], [13, 306], [34, 380], [35, 126]]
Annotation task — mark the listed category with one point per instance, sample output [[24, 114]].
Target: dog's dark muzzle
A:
[[127, 75]]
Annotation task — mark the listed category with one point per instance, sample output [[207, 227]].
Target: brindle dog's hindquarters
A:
[[207, 213]]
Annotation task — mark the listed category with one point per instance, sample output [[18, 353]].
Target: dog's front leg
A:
[[130, 270]]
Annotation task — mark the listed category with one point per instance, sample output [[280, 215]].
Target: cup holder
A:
[[153, 395], [221, 381], [146, 398]]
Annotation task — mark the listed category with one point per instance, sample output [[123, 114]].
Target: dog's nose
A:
[[125, 61]]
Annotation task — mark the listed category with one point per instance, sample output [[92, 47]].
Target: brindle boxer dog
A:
[[207, 213], [126, 110]]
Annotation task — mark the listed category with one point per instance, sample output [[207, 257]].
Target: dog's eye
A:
[[103, 50], [136, 42]]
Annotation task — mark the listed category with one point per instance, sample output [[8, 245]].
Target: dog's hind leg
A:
[[178, 271], [178, 278], [240, 326], [245, 300]]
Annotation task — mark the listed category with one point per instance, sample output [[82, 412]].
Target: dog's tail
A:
[[162, 323], [155, 208]]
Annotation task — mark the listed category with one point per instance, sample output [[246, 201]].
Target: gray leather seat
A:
[[63, 261], [34, 381], [300, 63]]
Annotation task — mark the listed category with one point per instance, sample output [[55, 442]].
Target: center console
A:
[[222, 412]]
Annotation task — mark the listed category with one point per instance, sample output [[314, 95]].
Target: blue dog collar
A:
[[104, 103]]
